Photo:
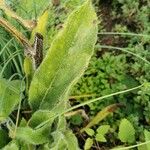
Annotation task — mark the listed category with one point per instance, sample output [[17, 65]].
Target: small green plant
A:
[[98, 135]]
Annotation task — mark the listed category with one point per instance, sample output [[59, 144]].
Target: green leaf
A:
[[103, 129], [129, 81], [41, 25], [88, 144], [71, 4], [31, 9], [126, 131], [59, 142], [71, 140], [64, 140], [89, 131], [41, 116], [30, 136], [23, 123], [142, 147], [147, 138], [66, 60], [11, 146], [120, 147], [4, 138], [76, 120], [10, 92], [61, 124], [99, 137]]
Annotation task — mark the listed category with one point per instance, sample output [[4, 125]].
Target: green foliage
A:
[[70, 4], [104, 75], [11, 146], [76, 120], [126, 131], [30, 136], [40, 116], [9, 56], [89, 131], [62, 66], [88, 144], [31, 9], [101, 115], [98, 136], [4, 138], [101, 131], [10, 92], [110, 70], [58, 73], [147, 138], [64, 140]]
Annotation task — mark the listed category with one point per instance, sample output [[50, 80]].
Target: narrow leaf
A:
[[11, 13], [41, 25], [102, 114], [18, 35]]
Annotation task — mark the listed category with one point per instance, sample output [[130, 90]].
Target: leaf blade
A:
[[10, 95], [126, 131], [61, 69]]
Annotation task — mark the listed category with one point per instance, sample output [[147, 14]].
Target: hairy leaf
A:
[[66, 60], [64, 140], [10, 92], [59, 142], [71, 140], [30, 136], [39, 117]]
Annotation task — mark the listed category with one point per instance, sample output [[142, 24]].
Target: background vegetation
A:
[[111, 68]]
